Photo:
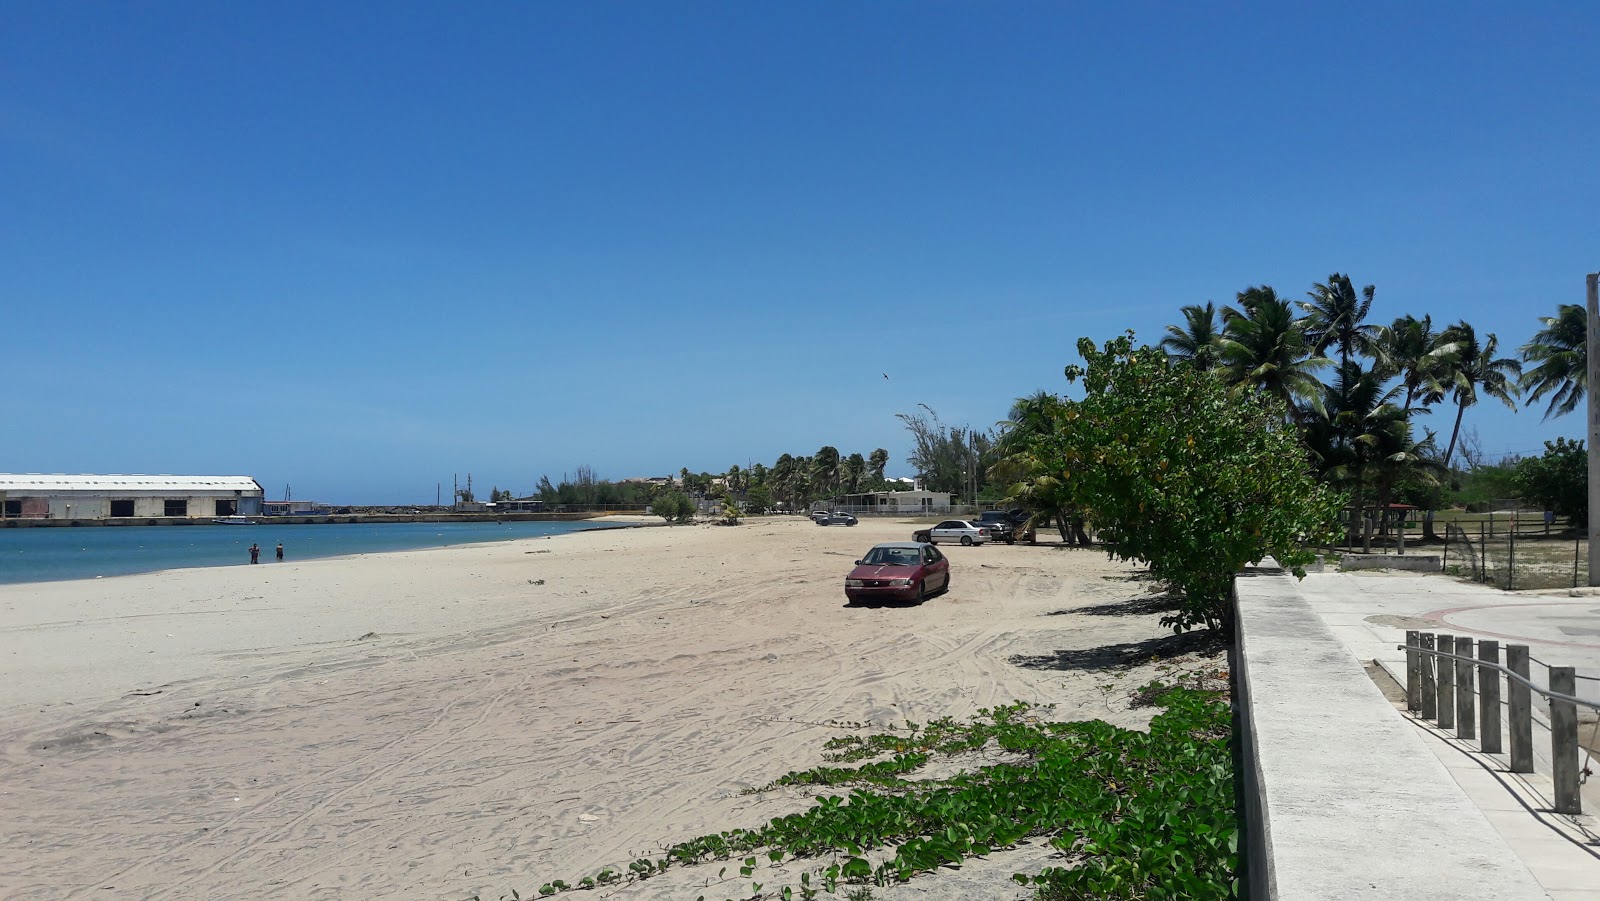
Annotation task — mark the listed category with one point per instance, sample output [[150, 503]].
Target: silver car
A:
[[958, 530]]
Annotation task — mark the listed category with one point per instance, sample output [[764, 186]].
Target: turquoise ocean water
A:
[[52, 554]]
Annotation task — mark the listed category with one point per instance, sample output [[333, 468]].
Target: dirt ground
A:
[[468, 721]]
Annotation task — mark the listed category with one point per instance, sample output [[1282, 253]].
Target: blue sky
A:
[[361, 247]]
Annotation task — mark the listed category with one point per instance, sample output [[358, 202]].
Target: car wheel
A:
[[945, 588], [922, 591], [966, 540], [1011, 540]]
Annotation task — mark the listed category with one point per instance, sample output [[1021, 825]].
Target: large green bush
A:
[[1180, 471]]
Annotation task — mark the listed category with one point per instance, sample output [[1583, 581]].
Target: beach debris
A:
[[535, 581], [588, 818], [367, 636]]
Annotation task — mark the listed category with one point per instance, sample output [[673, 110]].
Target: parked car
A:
[[901, 570], [819, 515], [835, 519], [1006, 525], [953, 530]]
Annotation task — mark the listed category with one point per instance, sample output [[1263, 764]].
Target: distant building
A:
[[894, 501], [292, 508], [57, 496], [522, 505]]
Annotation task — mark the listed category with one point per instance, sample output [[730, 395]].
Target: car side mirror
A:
[[858, 562]]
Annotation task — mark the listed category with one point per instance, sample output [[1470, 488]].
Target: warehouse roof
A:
[[113, 483]]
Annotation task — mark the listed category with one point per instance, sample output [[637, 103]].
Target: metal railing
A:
[[1440, 674]]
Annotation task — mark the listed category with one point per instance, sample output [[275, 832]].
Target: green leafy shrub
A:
[[1186, 474], [673, 506]]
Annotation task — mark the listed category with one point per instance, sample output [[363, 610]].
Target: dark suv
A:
[[1004, 525]]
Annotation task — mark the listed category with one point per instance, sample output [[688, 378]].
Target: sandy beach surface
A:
[[471, 720]]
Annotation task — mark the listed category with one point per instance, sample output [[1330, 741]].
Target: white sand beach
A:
[[477, 719]]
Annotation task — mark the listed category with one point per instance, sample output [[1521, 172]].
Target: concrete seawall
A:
[[1341, 797]]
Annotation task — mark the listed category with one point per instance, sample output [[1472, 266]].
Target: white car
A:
[[956, 530]]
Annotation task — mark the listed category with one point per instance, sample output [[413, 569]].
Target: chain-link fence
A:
[[1514, 552]]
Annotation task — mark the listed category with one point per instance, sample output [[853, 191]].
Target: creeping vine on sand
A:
[[1134, 814]]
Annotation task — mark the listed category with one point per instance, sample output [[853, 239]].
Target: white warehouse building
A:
[[34, 496]]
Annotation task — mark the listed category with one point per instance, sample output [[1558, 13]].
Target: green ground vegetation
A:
[[1138, 815]]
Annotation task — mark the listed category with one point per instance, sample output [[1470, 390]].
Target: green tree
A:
[[1264, 347], [825, 469], [758, 499], [1477, 370], [1560, 354], [1178, 471], [1024, 469], [673, 506], [851, 472], [1336, 317], [877, 461], [1558, 480], [1412, 350], [1198, 341]]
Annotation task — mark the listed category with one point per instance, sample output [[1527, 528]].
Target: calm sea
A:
[[50, 554]]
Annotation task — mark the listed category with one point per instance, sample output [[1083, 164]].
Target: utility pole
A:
[[1593, 354]]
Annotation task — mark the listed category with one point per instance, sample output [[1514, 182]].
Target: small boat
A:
[[235, 521]]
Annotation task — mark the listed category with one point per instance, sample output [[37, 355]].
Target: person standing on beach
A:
[[280, 552], [255, 553]]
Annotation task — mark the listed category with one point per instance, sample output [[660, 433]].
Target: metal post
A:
[[1465, 727], [1413, 671], [1400, 530], [1511, 556], [1483, 555], [1447, 683], [1430, 692], [1593, 348], [1520, 720], [1489, 697], [1564, 741]]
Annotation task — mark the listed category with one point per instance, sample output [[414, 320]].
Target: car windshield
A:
[[892, 556]]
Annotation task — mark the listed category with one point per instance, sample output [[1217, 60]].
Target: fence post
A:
[[1447, 683], [1564, 741], [1489, 697], [1520, 721], [1413, 671], [1465, 727], [1511, 556], [1430, 692], [1574, 563], [1483, 555]]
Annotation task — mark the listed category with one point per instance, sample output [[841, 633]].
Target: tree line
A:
[[1248, 430]]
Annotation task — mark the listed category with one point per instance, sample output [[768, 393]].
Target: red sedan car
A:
[[901, 571]]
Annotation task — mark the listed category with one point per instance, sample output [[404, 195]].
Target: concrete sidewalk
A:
[[1370, 613]]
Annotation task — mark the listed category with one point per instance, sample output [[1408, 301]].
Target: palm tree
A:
[[1265, 347], [1336, 316], [1420, 356], [851, 470], [1030, 483], [1356, 411], [1477, 369], [1561, 350], [1196, 341], [825, 468], [876, 462]]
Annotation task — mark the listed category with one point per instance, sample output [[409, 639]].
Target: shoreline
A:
[[614, 524]]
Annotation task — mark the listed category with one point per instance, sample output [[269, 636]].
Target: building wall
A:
[[201, 505]]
